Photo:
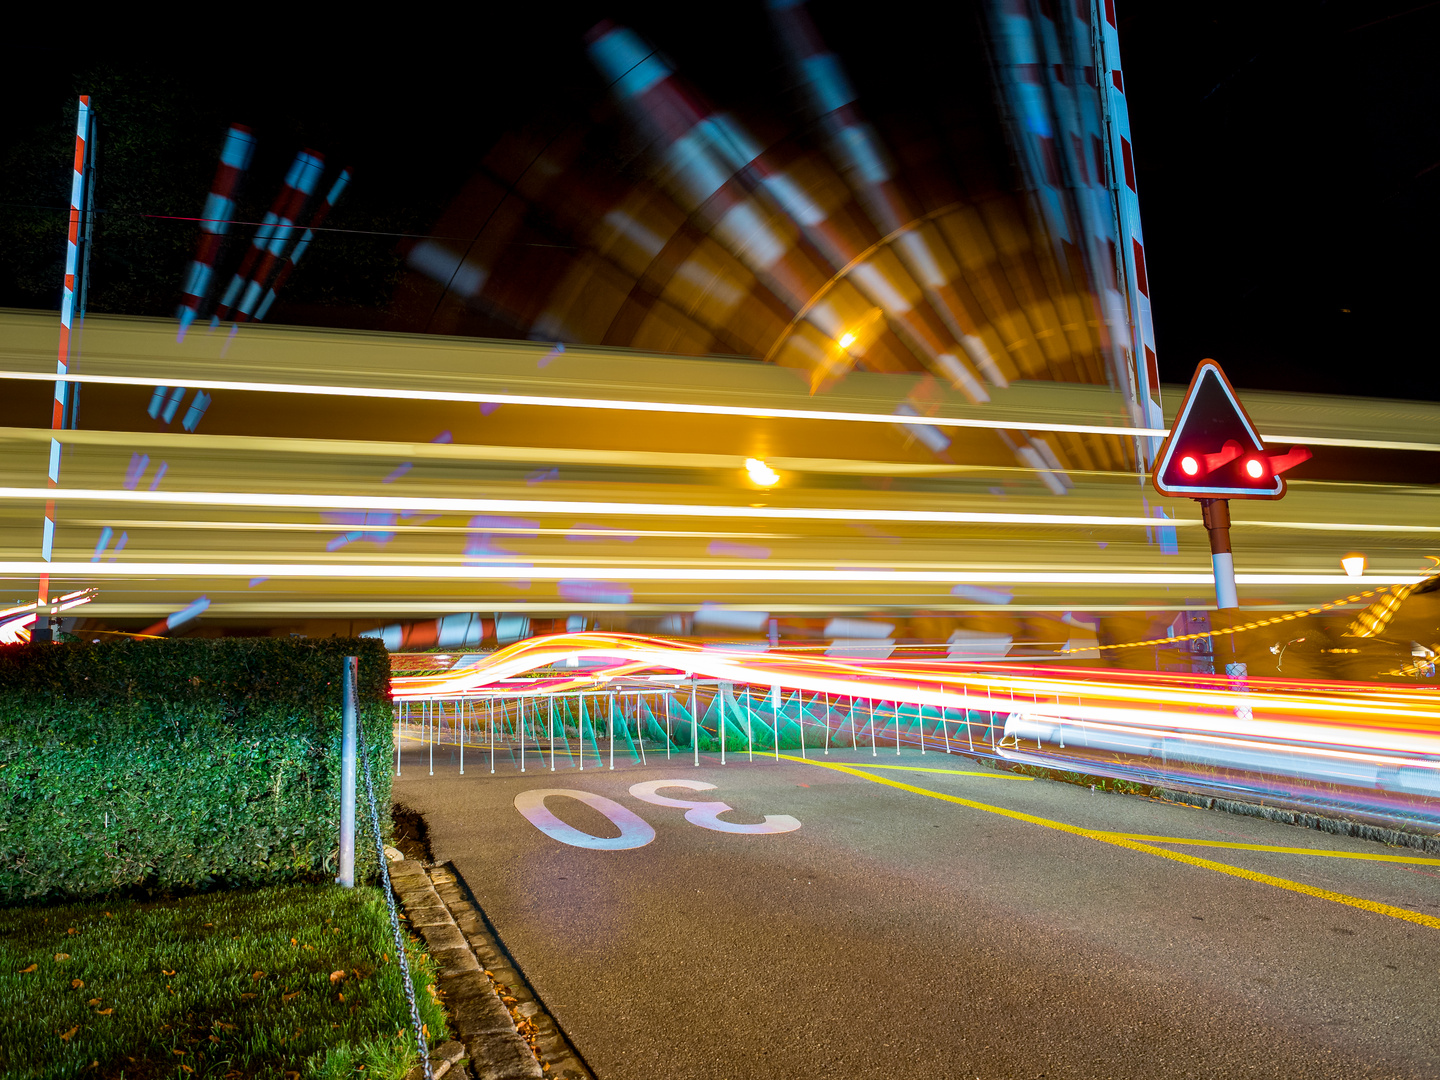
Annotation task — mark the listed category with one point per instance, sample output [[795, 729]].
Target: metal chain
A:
[[390, 902]]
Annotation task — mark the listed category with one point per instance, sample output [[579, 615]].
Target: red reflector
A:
[[1255, 468], [1189, 466]]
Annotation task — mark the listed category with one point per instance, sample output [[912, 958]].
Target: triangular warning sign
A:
[[1214, 451]]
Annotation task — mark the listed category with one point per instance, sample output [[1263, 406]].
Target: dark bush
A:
[[175, 765]]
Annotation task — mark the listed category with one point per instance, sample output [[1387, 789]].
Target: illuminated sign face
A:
[[1214, 451]]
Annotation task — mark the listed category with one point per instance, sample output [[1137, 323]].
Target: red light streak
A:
[[1382, 738]]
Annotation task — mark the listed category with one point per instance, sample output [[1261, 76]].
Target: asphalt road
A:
[[898, 934]]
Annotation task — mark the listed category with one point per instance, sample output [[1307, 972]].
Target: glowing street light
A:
[[1354, 564], [846, 340], [760, 473]]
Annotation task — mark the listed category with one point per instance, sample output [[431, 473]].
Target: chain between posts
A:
[[389, 892]]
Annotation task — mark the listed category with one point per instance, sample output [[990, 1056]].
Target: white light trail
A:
[[674, 407], [279, 500], [513, 571]]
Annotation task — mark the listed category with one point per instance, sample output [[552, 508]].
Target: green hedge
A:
[[181, 764]]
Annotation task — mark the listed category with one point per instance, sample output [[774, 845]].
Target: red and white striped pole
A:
[[299, 195], [78, 179], [215, 221], [336, 189], [305, 170], [1130, 258]]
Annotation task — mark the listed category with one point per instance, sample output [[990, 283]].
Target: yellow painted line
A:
[[1134, 845], [948, 772], [1280, 850]]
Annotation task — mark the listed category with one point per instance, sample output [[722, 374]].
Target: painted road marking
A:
[[951, 772], [635, 831], [1119, 840], [707, 814], [1281, 850]]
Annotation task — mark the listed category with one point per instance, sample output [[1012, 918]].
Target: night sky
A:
[[1288, 157]]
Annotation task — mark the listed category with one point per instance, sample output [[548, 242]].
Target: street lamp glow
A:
[[1354, 564], [846, 340], [760, 473]]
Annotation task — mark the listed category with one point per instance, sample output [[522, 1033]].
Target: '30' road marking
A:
[[635, 831]]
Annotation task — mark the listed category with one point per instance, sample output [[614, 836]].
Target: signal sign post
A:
[[1214, 454]]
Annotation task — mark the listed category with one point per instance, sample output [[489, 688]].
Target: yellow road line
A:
[[1119, 840], [950, 772], [1281, 850]]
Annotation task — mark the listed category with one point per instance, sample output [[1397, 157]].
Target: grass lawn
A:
[[295, 979]]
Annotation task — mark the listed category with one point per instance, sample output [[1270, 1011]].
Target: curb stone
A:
[[506, 1032]]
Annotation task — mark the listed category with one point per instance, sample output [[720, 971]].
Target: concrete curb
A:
[[505, 1030]]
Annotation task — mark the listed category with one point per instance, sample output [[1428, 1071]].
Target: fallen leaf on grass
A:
[[76, 984], [105, 1012], [287, 997], [246, 997], [93, 1002], [27, 971], [336, 976], [258, 975], [71, 930], [224, 1026], [294, 942], [164, 972], [207, 926], [70, 1034], [182, 1053], [60, 957]]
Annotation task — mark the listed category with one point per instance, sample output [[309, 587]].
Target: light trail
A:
[[678, 408], [509, 571], [711, 511], [278, 500], [1369, 745]]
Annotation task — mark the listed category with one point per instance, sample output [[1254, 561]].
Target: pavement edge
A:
[[504, 1028]]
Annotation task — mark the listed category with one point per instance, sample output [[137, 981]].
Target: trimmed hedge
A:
[[162, 765]]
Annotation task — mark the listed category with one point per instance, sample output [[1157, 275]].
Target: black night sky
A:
[[1288, 156]]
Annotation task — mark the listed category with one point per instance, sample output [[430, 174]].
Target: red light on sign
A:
[[1255, 468], [1189, 466]]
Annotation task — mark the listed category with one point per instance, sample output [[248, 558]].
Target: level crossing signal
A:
[[1214, 454], [1213, 450]]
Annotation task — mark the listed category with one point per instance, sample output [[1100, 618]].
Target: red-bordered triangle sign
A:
[[1214, 451]]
